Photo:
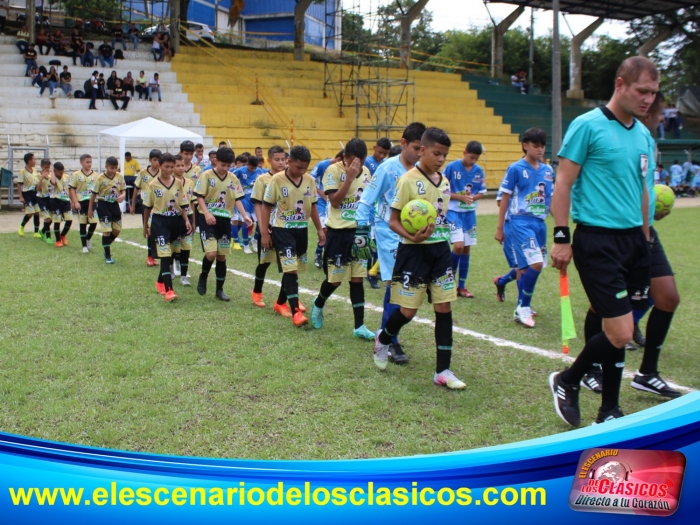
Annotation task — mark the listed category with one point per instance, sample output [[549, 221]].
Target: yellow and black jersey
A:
[[193, 173], [82, 184], [219, 194], [333, 179], [106, 189], [188, 188], [415, 184], [44, 188], [292, 203], [259, 187], [163, 199], [28, 179], [60, 189], [144, 178]]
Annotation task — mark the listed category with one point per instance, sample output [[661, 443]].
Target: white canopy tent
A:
[[144, 129]]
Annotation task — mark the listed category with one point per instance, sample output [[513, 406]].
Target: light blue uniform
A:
[[507, 242], [247, 179], [461, 216], [380, 192], [676, 175], [372, 164], [322, 203], [695, 170], [530, 192]]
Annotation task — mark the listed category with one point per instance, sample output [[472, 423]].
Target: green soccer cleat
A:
[[363, 333], [48, 240], [317, 317], [21, 231]]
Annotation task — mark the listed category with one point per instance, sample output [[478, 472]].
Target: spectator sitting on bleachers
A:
[[157, 48], [134, 36], [37, 77], [76, 44], [105, 53], [55, 41], [51, 81], [518, 80], [4, 6], [42, 41], [112, 81], [167, 47], [142, 85], [118, 93], [118, 36], [154, 85], [87, 59], [30, 59], [65, 84], [128, 83], [22, 42]]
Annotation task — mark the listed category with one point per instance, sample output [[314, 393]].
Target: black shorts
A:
[[291, 245], [660, 267], [84, 205], [30, 198], [165, 230], [338, 248], [59, 207], [215, 237], [614, 267], [109, 214], [422, 269], [44, 204]]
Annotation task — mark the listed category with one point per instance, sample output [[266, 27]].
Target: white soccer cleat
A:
[[85, 249], [254, 245], [448, 379], [176, 268], [247, 250], [523, 315]]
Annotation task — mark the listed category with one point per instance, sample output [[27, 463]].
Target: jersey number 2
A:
[[421, 188]]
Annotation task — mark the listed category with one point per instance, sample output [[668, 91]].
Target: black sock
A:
[[160, 277], [151, 246], [326, 291], [396, 321], [66, 228], [594, 352], [83, 235], [260, 272], [206, 266], [613, 366], [47, 230], [290, 282], [282, 297], [36, 223], [91, 230], [593, 325], [657, 328], [165, 263], [220, 274], [106, 241], [443, 341], [184, 262], [57, 230], [26, 220], [357, 298]]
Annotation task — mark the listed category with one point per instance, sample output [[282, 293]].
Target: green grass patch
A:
[[91, 354]]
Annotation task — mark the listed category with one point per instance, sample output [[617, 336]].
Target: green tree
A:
[[88, 9], [599, 64]]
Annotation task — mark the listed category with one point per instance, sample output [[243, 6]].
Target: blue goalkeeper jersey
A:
[[247, 177], [372, 164]]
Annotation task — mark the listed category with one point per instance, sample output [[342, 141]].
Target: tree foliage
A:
[[599, 65]]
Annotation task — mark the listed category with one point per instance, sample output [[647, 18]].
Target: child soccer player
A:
[[321, 205], [292, 194], [80, 192], [247, 176], [192, 171], [26, 189], [380, 151], [43, 196], [276, 161], [60, 204], [344, 184], [143, 179], [527, 191], [676, 177], [108, 192], [165, 219], [183, 246], [218, 192], [380, 193], [502, 280], [423, 263], [468, 186]]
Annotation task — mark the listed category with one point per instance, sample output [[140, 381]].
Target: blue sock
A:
[[455, 262], [528, 282], [637, 315], [319, 249], [388, 310], [463, 269], [509, 277], [519, 283], [234, 233], [244, 232]]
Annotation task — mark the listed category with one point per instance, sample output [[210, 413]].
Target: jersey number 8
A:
[[285, 192]]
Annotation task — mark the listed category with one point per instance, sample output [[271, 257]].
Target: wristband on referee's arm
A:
[[562, 235]]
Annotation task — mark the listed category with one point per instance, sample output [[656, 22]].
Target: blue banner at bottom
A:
[[566, 476]]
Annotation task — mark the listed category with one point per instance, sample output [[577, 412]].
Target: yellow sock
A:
[[375, 269]]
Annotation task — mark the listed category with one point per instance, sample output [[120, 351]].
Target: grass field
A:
[[91, 354]]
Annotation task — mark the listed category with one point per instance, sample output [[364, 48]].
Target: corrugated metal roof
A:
[[613, 9]]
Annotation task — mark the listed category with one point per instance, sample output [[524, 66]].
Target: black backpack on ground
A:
[[78, 94]]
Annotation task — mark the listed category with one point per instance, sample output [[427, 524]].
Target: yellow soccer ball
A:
[[417, 214], [665, 199]]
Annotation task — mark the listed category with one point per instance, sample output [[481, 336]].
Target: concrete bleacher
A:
[[71, 128], [294, 89]]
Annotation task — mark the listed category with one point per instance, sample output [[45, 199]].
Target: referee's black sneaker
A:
[[397, 355], [565, 399], [608, 415], [202, 284], [593, 380], [654, 384]]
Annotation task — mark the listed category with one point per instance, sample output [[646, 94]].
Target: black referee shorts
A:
[[660, 267], [614, 267]]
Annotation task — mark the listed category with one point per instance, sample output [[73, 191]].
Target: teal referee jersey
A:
[[614, 162]]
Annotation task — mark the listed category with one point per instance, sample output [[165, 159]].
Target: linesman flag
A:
[[568, 330]]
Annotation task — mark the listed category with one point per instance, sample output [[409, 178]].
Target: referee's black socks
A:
[[596, 350], [613, 365], [657, 327]]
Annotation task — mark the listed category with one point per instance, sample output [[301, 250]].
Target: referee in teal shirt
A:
[[602, 179]]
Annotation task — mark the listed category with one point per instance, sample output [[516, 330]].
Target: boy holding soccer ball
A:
[[423, 262], [527, 191]]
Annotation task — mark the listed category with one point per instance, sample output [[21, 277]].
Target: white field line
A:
[[422, 320]]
